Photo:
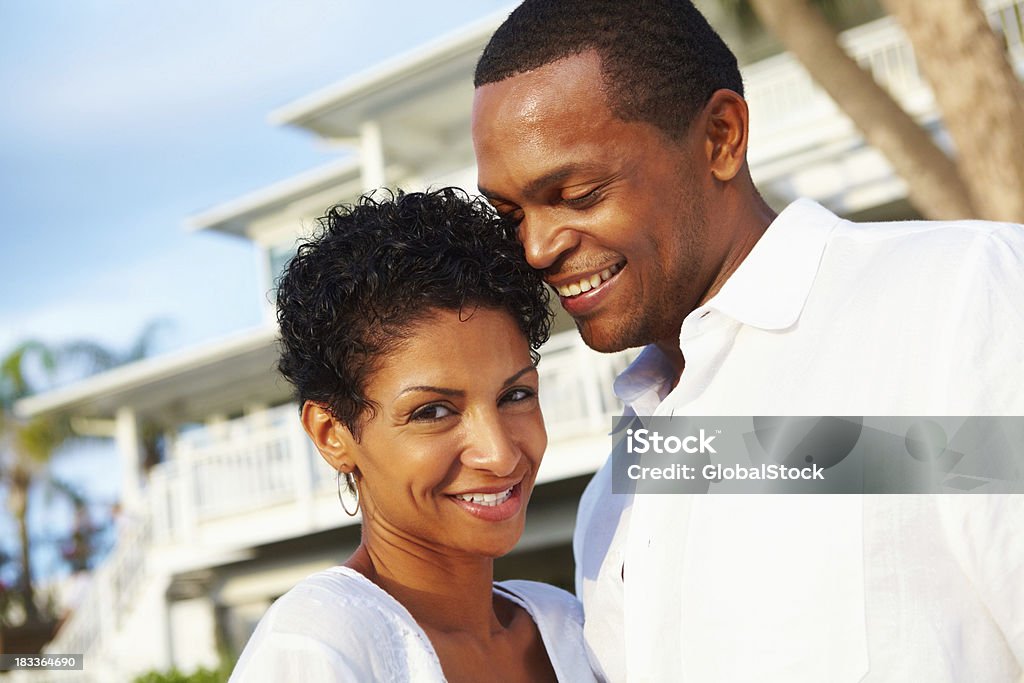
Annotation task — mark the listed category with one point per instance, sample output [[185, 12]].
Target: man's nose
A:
[[545, 238]]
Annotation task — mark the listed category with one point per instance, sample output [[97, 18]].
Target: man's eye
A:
[[512, 219], [508, 213], [431, 413], [583, 201]]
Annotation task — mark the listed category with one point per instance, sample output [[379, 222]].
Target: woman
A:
[[409, 328]]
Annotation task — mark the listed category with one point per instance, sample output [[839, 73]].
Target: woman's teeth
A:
[[588, 283], [487, 499]]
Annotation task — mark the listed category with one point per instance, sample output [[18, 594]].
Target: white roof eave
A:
[[236, 215], [392, 75], [120, 385]]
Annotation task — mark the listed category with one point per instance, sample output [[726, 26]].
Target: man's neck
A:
[[753, 216]]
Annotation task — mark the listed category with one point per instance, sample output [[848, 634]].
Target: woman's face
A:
[[449, 459]]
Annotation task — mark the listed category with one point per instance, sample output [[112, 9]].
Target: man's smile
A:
[[586, 283]]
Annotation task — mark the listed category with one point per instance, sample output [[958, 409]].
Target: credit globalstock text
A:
[[815, 454]]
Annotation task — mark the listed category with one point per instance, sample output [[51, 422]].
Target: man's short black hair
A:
[[374, 270], [661, 60]]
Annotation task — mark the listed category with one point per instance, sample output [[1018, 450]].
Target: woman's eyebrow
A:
[[519, 374], [445, 391]]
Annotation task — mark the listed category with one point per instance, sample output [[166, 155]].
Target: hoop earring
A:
[[350, 484]]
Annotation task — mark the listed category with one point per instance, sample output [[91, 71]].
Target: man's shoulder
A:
[[914, 249], [938, 235]]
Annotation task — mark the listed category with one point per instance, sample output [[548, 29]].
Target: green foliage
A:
[[14, 382], [200, 675]]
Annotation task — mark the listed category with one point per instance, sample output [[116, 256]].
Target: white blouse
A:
[[337, 625]]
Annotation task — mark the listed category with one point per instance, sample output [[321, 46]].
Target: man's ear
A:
[[726, 134], [330, 436]]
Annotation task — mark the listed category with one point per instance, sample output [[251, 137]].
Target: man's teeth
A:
[[588, 283], [488, 499]]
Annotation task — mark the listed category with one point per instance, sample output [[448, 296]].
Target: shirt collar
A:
[[646, 382], [771, 285], [768, 290]]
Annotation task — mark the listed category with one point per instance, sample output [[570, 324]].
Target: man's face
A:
[[613, 212]]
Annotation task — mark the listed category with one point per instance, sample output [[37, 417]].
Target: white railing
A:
[[106, 601], [576, 386], [245, 464], [785, 100]]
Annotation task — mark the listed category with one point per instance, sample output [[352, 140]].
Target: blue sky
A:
[[122, 118]]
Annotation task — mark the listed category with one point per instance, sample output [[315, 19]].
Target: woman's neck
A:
[[444, 594]]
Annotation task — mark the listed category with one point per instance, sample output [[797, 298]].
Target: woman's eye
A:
[[432, 412], [518, 395]]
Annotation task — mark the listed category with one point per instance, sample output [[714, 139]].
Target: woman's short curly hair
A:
[[375, 269]]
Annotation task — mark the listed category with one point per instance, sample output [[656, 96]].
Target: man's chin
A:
[[604, 340]]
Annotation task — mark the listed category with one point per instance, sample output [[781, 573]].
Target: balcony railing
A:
[[788, 109]]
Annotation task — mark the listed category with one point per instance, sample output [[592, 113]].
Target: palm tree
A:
[[938, 185], [26, 445]]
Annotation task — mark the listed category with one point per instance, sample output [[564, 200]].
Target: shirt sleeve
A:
[[291, 657], [985, 533], [987, 341]]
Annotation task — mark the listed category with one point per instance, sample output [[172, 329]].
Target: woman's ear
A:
[[329, 435]]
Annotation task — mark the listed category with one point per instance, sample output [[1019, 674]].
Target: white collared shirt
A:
[[823, 317]]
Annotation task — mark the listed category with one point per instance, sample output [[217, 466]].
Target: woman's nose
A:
[[492, 447]]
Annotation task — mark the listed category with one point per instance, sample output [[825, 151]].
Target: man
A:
[[614, 135]]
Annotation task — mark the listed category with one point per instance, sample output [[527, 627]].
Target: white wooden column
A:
[[129, 446], [371, 156]]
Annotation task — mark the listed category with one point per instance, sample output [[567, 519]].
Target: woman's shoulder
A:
[[337, 603], [335, 621]]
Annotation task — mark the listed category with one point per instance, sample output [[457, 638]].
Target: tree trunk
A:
[[933, 182], [19, 490], [981, 100]]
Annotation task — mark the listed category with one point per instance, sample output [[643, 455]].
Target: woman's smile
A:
[[489, 506]]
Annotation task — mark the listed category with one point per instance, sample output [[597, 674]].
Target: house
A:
[[241, 507]]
